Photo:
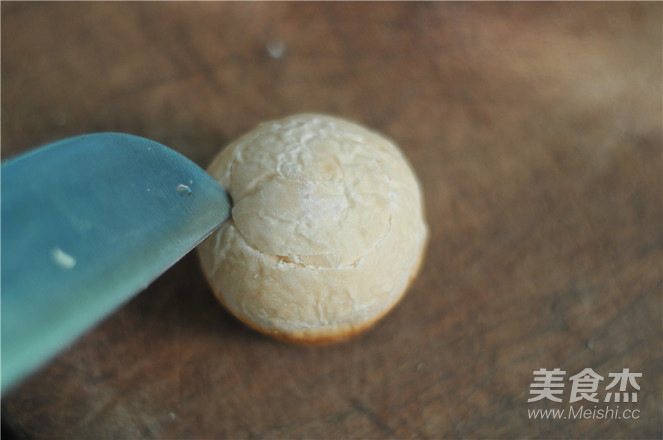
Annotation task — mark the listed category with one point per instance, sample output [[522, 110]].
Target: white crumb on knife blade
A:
[[63, 259]]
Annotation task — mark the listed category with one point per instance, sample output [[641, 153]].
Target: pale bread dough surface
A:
[[327, 228]]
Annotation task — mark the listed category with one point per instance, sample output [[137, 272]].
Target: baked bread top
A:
[[327, 228]]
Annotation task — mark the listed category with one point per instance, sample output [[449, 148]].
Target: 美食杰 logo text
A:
[[591, 400]]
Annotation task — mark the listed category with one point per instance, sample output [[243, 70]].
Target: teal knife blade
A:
[[86, 223]]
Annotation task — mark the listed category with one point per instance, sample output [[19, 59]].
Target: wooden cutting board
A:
[[536, 131]]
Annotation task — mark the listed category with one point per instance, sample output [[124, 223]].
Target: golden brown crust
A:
[[327, 230], [332, 337]]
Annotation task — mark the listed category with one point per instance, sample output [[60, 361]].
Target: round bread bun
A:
[[327, 229]]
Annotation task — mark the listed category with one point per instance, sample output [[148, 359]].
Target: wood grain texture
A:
[[536, 130]]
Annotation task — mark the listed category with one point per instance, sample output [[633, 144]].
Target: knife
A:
[[86, 223]]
